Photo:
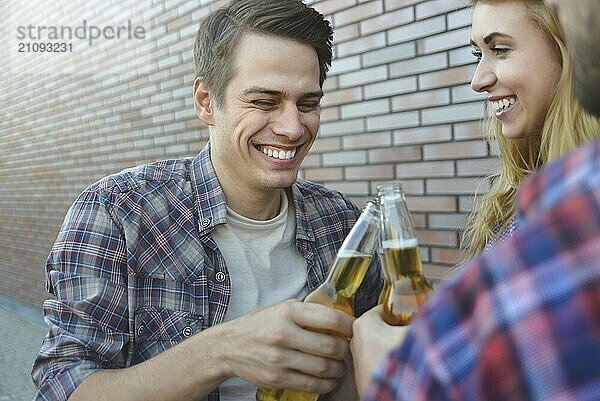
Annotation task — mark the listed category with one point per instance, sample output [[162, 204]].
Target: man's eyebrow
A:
[[488, 38], [318, 94], [260, 90], [271, 92]]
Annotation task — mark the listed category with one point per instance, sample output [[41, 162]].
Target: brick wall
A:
[[397, 106]]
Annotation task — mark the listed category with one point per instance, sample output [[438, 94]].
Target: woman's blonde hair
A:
[[566, 126]]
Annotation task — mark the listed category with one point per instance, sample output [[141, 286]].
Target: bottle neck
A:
[[347, 272], [354, 256]]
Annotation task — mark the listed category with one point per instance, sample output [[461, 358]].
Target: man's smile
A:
[[277, 153]]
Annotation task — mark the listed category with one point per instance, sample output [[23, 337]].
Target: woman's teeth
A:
[[501, 105], [279, 154]]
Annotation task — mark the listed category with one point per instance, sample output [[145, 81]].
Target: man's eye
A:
[[263, 103], [309, 106], [476, 54]]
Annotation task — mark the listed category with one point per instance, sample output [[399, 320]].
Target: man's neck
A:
[[263, 206], [247, 200]]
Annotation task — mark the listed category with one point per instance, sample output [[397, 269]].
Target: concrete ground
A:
[[21, 332]]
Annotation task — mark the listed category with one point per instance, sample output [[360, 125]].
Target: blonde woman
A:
[[522, 321], [527, 74]]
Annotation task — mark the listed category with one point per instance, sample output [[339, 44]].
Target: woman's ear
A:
[[203, 102]]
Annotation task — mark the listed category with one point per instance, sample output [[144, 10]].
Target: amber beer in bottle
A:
[[408, 287], [385, 290], [344, 276]]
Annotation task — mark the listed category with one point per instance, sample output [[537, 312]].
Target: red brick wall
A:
[[397, 106]]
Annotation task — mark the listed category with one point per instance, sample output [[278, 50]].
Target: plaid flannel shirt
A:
[[135, 271], [521, 322]]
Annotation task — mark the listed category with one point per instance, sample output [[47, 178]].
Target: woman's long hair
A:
[[566, 126]]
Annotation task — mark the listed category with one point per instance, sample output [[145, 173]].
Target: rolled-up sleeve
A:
[[88, 319]]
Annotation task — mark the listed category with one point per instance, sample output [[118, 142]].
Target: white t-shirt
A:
[[265, 268]]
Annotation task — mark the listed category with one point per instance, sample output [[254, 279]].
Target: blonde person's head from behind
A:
[[526, 140]]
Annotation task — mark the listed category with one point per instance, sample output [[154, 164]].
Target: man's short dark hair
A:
[[221, 30]]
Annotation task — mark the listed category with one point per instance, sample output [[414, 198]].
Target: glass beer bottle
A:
[[385, 290], [408, 287], [344, 276]]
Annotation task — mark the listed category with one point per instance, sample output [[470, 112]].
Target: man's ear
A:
[[203, 102]]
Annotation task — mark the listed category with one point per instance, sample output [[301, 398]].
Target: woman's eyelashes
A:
[[499, 51], [496, 51]]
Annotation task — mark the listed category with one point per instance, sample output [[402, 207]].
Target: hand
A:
[[346, 387], [272, 347], [372, 340]]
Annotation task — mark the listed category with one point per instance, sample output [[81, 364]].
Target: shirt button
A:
[[220, 277], [140, 331], [205, 222], [187, 331]]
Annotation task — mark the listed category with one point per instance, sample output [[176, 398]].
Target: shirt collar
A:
[[212, 208], [303, 227]]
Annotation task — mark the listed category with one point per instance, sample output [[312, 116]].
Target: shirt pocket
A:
[[158, 329]]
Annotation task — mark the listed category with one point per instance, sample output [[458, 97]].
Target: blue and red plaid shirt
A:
[[135, 271], [521, 322]]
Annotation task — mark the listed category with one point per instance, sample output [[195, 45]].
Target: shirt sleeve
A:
[[405, 376], [88, 319], [521, 321]]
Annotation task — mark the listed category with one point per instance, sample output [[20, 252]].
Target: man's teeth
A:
[[501, 105], [279, 154]]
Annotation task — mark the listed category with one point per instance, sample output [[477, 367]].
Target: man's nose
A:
[[289, 122]]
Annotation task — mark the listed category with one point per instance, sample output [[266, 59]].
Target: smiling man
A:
[[266, 123], [180, 279]]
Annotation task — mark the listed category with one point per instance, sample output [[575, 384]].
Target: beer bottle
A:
[[344, 276], [385, 290], [408, 287]]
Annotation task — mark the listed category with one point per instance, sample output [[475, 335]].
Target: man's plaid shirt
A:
[[522, 321], [135, 271]]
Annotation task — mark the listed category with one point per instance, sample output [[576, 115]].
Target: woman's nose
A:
[[483, 78]]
